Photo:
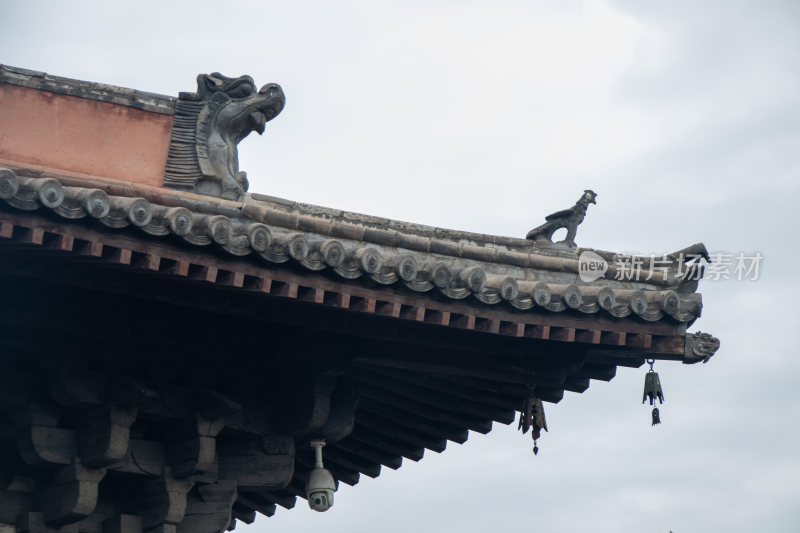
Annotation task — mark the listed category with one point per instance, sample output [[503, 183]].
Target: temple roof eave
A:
[[521, 279]]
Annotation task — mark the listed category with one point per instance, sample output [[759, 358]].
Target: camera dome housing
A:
[[320, 485], [319, 489]]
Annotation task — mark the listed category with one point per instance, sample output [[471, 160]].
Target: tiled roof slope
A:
[[496, 271]]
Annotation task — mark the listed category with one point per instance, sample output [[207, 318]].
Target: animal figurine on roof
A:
[[209, 124], [568, 218]]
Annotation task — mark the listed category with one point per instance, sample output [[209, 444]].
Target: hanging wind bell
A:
[[532, 417], [652, 390]]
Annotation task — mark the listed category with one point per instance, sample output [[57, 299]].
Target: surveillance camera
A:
[[320, 485], [320, 489], [321, 501]]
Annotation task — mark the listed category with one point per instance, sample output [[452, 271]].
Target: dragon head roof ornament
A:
[[208, 126]]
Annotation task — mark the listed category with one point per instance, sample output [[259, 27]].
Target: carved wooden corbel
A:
[[15, 499], [193, 451], [342, 416], [123, 523], [144, 457], [33, 522], [164, 505], [266, 463], [105, 434], [193, 447], [306, 409], [39, 441], [208, 508], [72, 496]]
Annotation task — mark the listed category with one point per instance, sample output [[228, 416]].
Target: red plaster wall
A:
[[79, 135]]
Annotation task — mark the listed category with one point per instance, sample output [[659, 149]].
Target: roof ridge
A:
[[103, 92]]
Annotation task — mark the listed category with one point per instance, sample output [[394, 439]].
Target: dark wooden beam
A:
[[448, 370], [373, 454], [396, 417], [423, 409], [461, 391], [287, 501], [257, 504], [369, 437], [381, 424], [457, 404]]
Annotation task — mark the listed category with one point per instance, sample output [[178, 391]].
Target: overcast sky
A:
[[486, 116]]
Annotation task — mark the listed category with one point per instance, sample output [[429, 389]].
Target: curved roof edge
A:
[[522, 279]]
